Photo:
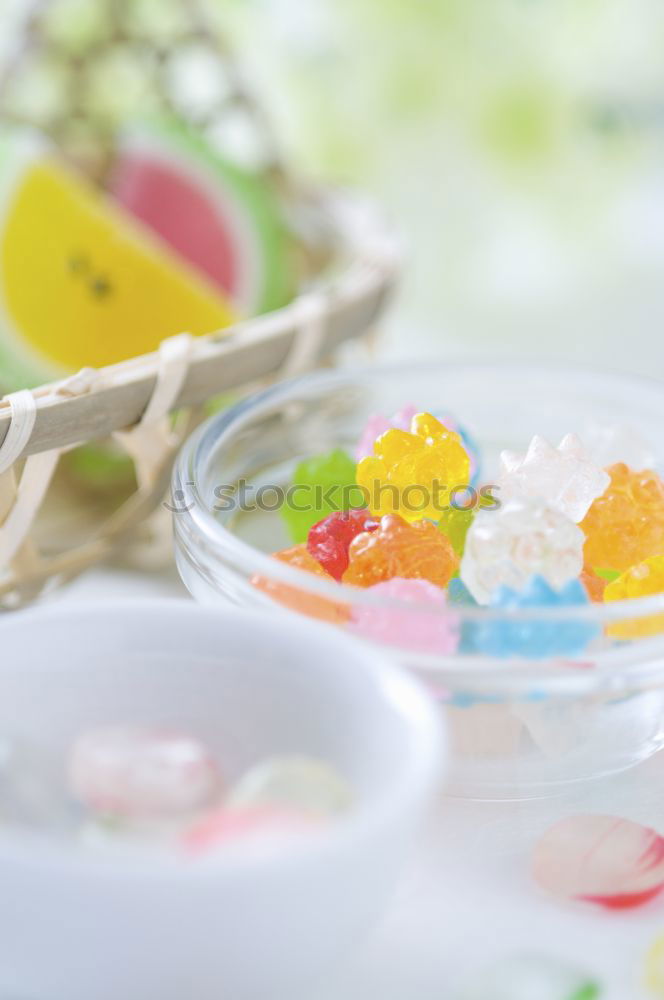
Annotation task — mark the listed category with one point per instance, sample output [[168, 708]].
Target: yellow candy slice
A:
[[82, 283]]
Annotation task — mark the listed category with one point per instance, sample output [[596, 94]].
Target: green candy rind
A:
[[251, 190]]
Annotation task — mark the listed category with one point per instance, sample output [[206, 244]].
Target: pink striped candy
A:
[[139, 773], [606, 860]]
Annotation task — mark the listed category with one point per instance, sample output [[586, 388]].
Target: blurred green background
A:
[[517, 145]]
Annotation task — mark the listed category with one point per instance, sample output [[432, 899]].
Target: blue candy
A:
[[458, 595], [533, 638]]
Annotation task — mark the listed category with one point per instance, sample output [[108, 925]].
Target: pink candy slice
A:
[[606, 860]]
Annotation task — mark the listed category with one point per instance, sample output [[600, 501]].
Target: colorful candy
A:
[[455, 524], [654, 968], [413, 551], [626, 524], [144, 788], [644, 580], [378, 424], [276, 799], [293, 784], [329, 540], [564, 477], [595, 585], [321, 485], [524, 538], [429, 629], [414, 474], [531, 977], [469, 443], [298, 599], [135, 774], [225, 826], [606, 860], [556, 532], [458, 593], [536, 638]]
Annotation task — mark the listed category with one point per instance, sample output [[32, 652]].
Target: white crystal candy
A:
[[292, 782], [523, 538], [564, 477], [141, 773], [610, 443]]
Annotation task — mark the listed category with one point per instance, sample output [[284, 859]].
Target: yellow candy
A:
[[81, 283], [644, 580], [413, 474], [654, 967]]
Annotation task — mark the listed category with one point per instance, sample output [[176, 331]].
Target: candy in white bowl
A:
[[240, 923]]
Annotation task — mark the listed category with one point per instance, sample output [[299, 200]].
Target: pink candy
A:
[[601, 859], [433, 629], [137, 774], [227, 825], [378, 424]]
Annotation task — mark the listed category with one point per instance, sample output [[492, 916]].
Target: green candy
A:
[[608, 574], [321, 485], [526, 976], [455, 524]]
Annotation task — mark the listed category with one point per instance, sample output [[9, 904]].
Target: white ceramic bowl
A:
[[237, 924]]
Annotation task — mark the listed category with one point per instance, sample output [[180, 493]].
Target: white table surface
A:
[[466, 896]]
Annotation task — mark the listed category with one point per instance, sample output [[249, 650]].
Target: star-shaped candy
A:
[[611, 443], [524, 538], [565, 477]]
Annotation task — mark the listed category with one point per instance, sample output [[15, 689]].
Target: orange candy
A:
[[299, 600], [626, 524], [417, 551], [593, 584]]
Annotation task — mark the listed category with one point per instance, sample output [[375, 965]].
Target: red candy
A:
[[329, 539]]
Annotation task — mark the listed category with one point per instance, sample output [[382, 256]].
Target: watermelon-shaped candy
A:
[[226, 222], [82, 282]]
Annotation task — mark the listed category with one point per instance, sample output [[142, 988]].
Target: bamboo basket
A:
[[148, 404]]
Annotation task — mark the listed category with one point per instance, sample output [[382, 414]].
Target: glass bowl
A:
[[520, 727]]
